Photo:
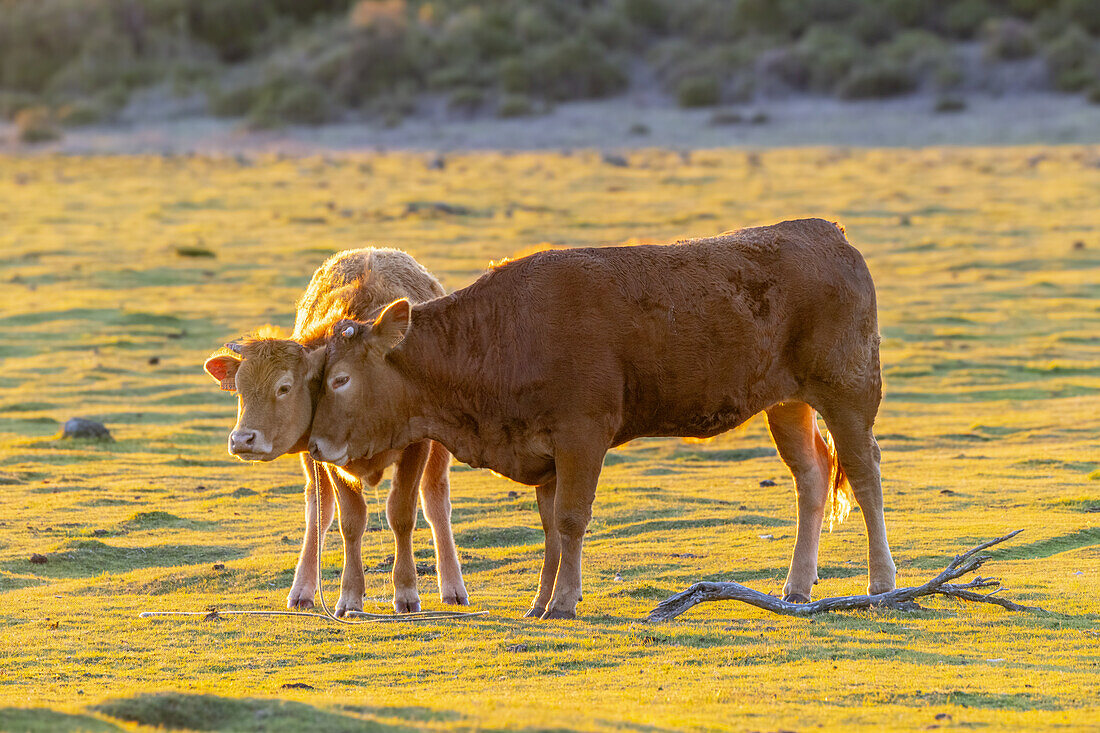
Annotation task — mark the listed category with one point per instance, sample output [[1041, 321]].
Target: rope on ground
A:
[[363, 616]]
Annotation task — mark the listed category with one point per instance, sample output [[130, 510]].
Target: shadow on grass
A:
[[32, 720], [174, 710], [89, 558], [658, 525]]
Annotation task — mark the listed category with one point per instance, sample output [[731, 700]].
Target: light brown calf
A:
[[546, 362], [278, 383]]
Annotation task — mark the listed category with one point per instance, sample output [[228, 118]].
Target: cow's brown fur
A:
[[352, 284], [546, 362]]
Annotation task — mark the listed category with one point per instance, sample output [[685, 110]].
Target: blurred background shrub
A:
[[274, 62]]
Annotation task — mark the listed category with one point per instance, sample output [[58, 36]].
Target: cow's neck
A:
[[449, 387]]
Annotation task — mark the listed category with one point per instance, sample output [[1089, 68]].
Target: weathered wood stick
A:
[[899, 598]]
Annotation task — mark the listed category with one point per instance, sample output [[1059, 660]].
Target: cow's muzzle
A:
[[249, 445], [326, 453]]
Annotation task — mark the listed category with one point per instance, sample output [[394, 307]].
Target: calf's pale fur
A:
[[278, 382]]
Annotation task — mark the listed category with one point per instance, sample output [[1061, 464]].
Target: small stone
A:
[[39, 559], [79, 427], [154, 360], [766, 537], [517, 648], [219, 566], [767, 482]]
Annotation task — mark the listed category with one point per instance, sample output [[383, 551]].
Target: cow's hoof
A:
[[406, 606], [455, 596], [796, 598], [554, 613], [535, 612]]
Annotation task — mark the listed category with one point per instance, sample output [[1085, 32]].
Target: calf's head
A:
[[359, 412], [276, 381]]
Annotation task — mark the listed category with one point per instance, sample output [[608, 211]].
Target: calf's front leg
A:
[[353, 520], [401, 513], [304, 587], [577, 468]]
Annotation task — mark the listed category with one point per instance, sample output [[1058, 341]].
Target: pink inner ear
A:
[[224, 370]]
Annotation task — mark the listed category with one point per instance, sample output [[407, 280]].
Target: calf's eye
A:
[[284, 389], [339, 382]]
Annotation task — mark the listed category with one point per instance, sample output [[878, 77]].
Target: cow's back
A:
[[684, 339]]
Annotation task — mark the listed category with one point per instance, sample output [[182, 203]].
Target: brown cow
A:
[[278, 382], [546, 362]]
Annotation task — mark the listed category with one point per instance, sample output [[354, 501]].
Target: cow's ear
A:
[[392, 325], [223, 368]]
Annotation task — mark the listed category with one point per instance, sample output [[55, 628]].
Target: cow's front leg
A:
[[552, 555], [353, 520], [304, 587], [435, 493], [401, 513], [577, 468]]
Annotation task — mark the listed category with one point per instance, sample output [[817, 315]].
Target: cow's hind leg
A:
[[435, 493], [577, 468], [401, 513], [794, 430], [850, 422], [304, 587], [552, 553]]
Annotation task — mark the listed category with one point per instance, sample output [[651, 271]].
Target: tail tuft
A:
[[840, 491]]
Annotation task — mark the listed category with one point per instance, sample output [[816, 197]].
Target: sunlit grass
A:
[[990, 315]]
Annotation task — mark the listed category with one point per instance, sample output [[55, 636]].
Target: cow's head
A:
[[276, 381], [359, 412]]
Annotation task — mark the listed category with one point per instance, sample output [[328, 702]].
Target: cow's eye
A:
[[283, 389], [339, 382]]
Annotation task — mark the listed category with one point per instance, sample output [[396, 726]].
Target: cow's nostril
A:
[[250, 437]]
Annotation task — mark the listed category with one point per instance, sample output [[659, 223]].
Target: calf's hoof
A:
[[299, 601], [796, 598], [343, 607], [554, 613], [406, 606], [535, 612], [455, 596]]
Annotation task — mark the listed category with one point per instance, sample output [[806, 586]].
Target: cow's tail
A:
[[840, 491]]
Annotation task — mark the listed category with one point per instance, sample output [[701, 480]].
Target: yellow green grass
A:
[[990, 315]]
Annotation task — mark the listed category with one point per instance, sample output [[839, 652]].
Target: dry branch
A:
[[901, 598]]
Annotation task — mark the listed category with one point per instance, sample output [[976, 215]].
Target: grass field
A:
[[119, 275]]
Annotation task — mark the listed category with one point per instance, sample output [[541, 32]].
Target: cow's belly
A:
[[527, 461]]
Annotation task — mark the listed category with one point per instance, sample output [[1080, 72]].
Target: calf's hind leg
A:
[[800, 445], [859, 456], [435, 495], [305, 574]]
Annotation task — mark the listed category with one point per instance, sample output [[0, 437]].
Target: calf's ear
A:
[[223, 368], [392, 325]]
